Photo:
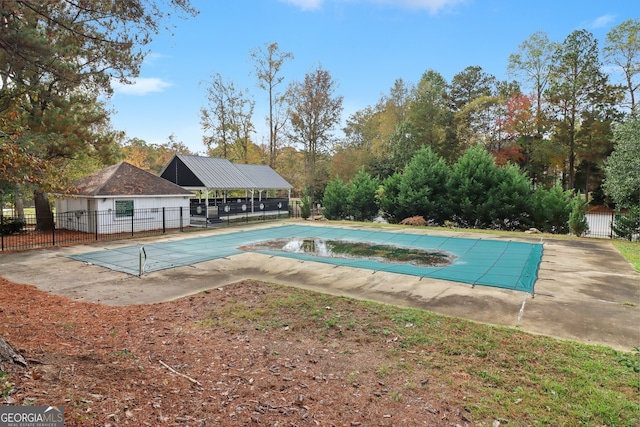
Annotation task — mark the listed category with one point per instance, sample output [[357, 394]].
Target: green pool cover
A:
[[498, 263]]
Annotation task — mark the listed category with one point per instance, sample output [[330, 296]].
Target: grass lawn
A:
[[630, 250], [495, 372]]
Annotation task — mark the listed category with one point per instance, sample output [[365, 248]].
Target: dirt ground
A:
[[179, 363]]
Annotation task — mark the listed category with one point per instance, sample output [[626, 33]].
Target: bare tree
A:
[[533, 62], [226, 120], [622, 48], [314, 112], [267, 65]]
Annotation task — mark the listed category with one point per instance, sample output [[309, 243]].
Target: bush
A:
[[12, 226], [362, 203], [552, 209], [578, 219], [388, 194], [305, 209], [472, 189], [511, 203], [423, 188], [627, 226], [334, 201]]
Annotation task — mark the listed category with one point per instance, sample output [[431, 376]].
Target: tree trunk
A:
[[8, 354], [44, 216], [18, 203], [586, 185]]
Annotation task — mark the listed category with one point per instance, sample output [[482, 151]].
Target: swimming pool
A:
[[498, 263]]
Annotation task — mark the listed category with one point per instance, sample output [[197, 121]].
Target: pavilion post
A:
[[206, 208]]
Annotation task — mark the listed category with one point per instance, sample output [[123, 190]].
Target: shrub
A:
[[11, 226], [472, 188], [511, 202], [552, 209], [578, 219], [362, 203], [388, 194], [423, 188], [627, 226], [305, 209], [335, 201]]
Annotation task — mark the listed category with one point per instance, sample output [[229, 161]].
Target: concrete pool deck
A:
[[586, 291]]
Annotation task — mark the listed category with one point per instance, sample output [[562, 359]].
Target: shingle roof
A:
[[124, 179], [211, 172]]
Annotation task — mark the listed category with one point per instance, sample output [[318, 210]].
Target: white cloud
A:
[[153, 57], [306, 4], [141, 86], [432, 6], [600, 22]]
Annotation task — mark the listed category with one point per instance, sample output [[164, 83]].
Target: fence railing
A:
[[80, 226], [601, 221]]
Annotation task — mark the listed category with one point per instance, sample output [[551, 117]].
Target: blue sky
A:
[[365, 44]]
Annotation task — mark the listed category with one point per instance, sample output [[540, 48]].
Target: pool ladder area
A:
[[143, 261]]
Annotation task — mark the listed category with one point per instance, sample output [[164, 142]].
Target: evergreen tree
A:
[[423, 188], [552, 209], [627, 226], [362, 204], [474, 180], [577, 84], [334, 202], [577, 219], [512, 204], [388, 196], [622, 182], [58, 60]]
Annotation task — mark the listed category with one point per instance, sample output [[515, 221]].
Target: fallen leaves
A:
[[164, 363]]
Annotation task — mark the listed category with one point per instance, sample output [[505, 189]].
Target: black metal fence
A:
[[80, 226], [219, 210]]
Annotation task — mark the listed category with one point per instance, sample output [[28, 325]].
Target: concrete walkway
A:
[[586, 291]]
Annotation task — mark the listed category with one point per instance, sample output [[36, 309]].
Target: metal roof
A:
[[263, 177], [217, 173]]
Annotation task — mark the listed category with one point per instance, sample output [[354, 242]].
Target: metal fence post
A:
[[132, 226], [613, 217], [164, 224], [181, 225], [95, 223]]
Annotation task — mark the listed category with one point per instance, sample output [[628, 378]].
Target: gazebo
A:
[[206, 175]]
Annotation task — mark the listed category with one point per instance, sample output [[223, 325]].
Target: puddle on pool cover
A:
[[355, 250]]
